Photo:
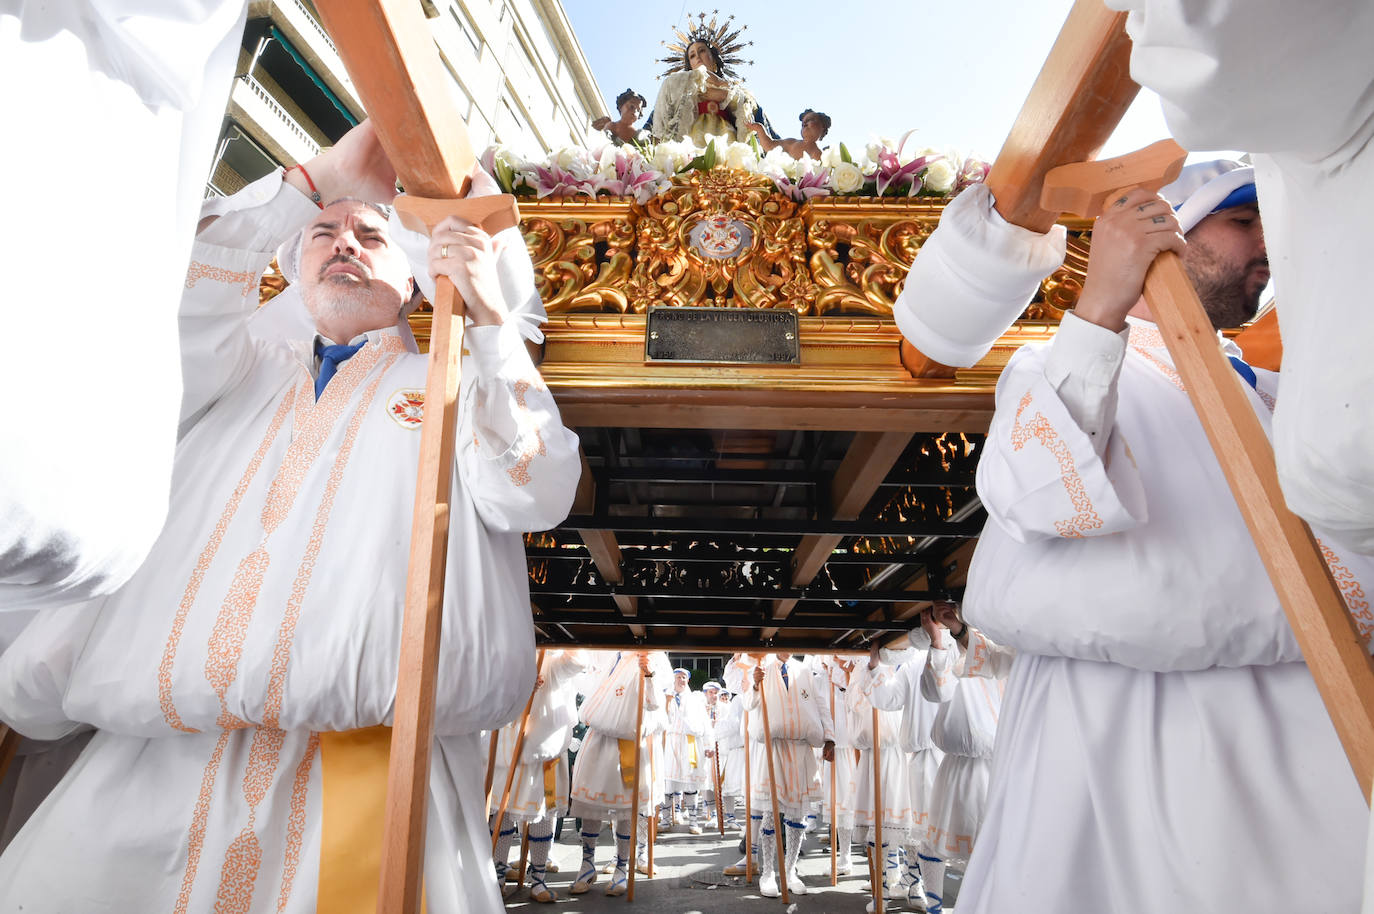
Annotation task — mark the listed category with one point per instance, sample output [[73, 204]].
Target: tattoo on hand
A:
[[1159, 220], [1120, 202]]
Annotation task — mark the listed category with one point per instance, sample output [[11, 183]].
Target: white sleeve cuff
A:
[[258, 218]]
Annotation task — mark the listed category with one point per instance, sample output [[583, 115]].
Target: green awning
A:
[[314, 77]]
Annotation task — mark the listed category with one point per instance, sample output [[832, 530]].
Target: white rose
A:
[[846, 178], [740, 155], [565, 157], [940, 176], [830, 156]]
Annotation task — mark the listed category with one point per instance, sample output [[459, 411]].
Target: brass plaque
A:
[[740, 336]]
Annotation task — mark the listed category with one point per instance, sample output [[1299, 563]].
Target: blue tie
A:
[[331, 357], [1244, 370], [783, 668]]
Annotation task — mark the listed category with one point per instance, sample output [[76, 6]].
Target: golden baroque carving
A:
[[861, 251], [581, 253], [722, 238]]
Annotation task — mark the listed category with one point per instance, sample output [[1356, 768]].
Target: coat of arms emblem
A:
[[406, 407], [719, 237]]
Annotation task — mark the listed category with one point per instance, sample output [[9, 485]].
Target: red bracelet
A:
[[314, 191]]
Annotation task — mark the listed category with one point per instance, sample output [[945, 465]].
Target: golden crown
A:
[[721, 37]]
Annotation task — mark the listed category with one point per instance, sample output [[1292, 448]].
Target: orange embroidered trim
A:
[[1085, 516], [262, 764], [979, 655], [207, 555], [281, 653], [295, 823], [195, 839], [1142, 340], [242, 862], [1351, 591], [230, 630], [520, 473], [198, 271], [1266, 399], [306, 445]]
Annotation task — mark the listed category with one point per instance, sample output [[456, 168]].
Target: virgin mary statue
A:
[[699, 94]]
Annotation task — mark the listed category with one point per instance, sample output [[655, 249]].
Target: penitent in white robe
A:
[[543, 755], [685, 741], [899, 689], [800, 723], [134, 89], [270, 610], [1161, 745], [600, 789], [969, 686], [897, 816], [1292, 84]]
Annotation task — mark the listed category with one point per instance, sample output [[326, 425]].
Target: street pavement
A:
[[688, 880]]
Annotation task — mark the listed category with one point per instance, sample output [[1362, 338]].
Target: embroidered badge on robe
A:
[[406, 407]]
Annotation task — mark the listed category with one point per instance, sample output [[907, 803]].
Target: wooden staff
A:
[[491, 770], [834, 827], [389, 52], [720, 804], [654, 757], [9, 747], [748, 808], [524, 854], [879, 858], [516, 752], [773, 791], [634, 797]]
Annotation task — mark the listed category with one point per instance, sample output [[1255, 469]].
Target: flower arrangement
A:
[[885, 168]]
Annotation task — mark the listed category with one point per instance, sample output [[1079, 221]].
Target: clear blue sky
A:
[[958, 72]]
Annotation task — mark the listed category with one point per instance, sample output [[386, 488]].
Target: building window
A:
[[465, 26], [460, 96]]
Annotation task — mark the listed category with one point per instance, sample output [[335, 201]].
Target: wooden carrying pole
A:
[[9, 747], [1326, 632], [748, 807], [773, 792], [879, 857], [715, 769], [389, 52], [634, 796], [516, 752], [834, 826]]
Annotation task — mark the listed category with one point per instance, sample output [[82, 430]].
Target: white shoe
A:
[[795, 885], [844, 866], [694, 830], [768, 886]]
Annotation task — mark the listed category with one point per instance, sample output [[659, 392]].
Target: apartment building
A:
[[519, 78]]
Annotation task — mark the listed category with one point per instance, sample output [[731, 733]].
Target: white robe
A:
[[969, 686], [552, 716], [1161, 742], [1292, 84], [270, 610], [133, 91], [898, 817], [798, 724], [685, 740], [611, 685], [900, 690]]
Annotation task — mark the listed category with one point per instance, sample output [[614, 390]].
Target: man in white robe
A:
[[539, 790], [145, 83], [1291, 83], [965, 676], [603, 783], [900, 690], [798, 724], [714, 711], [1162, 744], [256, 650], [896, 813], [684, 744]]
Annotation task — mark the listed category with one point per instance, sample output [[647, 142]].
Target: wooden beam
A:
[[389, 53], [866, 464], [1073, 107]]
